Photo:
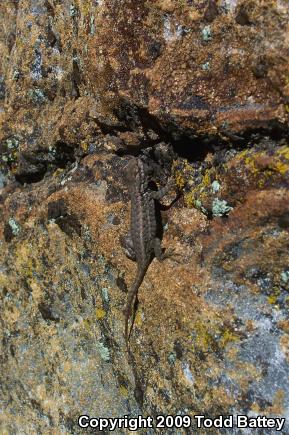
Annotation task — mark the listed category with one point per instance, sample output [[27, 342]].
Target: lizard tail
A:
[[131, 297]]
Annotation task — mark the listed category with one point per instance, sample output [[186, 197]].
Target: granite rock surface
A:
[[84, 85]]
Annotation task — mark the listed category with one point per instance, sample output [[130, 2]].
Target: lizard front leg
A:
[[163, 191]]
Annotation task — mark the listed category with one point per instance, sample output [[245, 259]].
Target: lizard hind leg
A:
[[127, 245], [162, 254], [158, 250]]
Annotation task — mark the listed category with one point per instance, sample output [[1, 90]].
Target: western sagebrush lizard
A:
[[142, 244]]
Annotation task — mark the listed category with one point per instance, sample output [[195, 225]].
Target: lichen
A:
[[206, 33], [199, 206], [202, 338], [100, 313], [123, 391], [138, 319], [220, 207], [276, 164], [92, 25], [73, 12], [172, 358], [179, 179], [12, 143], [105, 295], [189, 199], [15, 227], [103, 351], [285, 276], [206, 66], [36, 95], [84, 146], [206, 180], [228, 337], [215, 186]]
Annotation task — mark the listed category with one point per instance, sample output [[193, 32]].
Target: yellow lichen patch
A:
[[84, 7], [203, 338], [263, 165], [283, 152], [179, 179], [282, 168], [123, 391], [84, 146], [58, 172], [23, 260], [87, 324], [54, 346], [251, 164], [228, 337], [100, 313], [66, 367], [3, 279], [206, 179], [272, 299], [189, 199], [138, 319]]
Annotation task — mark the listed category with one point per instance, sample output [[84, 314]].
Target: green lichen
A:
[[206, 33], [92, 25], [73, 12], [105, 295], [215, 186], [12, 143], [15, 227], [206, 66], [199, 206], [37, 96], [220, 207], [285, 276], [172, 357], [16, 75], [86, 233], [103, 351]]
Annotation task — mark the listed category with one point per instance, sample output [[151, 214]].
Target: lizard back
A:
[[142, 227], [142, 215]]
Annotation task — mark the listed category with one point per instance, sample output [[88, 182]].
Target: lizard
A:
[[143, 243]]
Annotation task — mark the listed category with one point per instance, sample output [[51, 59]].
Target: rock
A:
[[69, 77], [200, 91]]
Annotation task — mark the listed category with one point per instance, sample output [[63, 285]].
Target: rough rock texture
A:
[[83, 84]]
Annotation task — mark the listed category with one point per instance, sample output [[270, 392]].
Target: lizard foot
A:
[[171, 253]]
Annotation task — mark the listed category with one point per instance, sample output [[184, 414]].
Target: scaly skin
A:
[[143, 244]]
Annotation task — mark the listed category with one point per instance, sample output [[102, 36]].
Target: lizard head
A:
[[135, 169]]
